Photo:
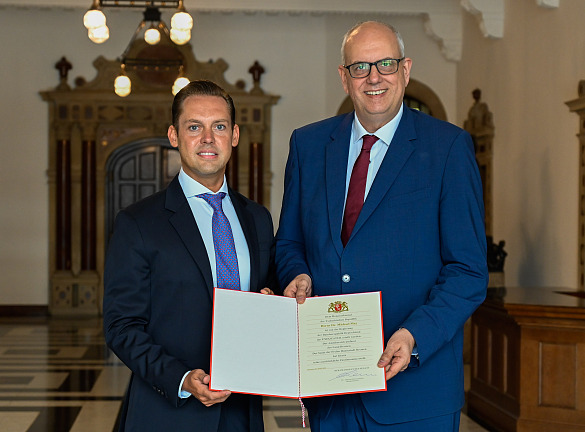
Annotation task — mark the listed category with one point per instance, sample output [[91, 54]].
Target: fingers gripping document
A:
[[270, 345]]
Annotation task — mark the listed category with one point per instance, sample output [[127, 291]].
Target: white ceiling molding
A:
[[550, 4], [489, 13], [442, 18], [446, 30], [321, 6]]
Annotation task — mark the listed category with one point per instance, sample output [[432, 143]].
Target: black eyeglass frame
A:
[[374, 64]]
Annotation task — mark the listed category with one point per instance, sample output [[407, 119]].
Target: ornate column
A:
[[88, 198], [255, 173], [63, 199], [61, 292], [74, 279], [578, 106]]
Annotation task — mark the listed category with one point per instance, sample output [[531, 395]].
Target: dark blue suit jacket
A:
[[419, 239], [158, 306]]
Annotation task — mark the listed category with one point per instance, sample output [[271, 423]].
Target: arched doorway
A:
[[135, 171]]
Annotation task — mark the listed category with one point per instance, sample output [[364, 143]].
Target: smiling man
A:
[[167, 253], [388, 199], [375, 84]]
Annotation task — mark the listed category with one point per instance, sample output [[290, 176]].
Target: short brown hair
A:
[[200, 88]]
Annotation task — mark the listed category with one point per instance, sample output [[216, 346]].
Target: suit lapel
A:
[[336, 154], [398, 153], [249, 228], [184, 223]]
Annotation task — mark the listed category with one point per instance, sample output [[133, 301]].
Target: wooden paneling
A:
[[557, 375], [528, 365]]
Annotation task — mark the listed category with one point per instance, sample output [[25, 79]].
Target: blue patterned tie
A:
[[226, 260]]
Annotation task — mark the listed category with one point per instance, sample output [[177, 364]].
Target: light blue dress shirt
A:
[[384, 134], [203, 212]]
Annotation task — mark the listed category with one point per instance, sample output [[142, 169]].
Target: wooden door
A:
[[136, 171]]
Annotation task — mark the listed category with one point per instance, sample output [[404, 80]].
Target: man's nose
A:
[[207, 135], [374, 75]]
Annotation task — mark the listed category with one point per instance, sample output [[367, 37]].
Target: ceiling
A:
[[443, 18]]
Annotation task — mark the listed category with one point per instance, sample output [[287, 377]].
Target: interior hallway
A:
[[56, 375]]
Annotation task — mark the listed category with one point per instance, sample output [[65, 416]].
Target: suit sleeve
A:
[[127, 312], [268, 233], [290, 245], [461, 284]]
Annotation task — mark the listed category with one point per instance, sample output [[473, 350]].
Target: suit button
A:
[[345, 278]]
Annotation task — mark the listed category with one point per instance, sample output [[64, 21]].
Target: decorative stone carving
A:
[[490, 15], [496, 256], [89, 123], [479, 118], [480, 125], [549, 4]]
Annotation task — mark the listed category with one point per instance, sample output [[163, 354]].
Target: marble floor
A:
[[57, 375]]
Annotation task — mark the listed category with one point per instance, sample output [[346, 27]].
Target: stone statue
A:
[[479, 118], [496, 255]]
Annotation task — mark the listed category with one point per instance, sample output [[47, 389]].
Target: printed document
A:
[[270, 345]]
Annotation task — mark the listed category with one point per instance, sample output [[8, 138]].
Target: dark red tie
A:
[[357, 188]]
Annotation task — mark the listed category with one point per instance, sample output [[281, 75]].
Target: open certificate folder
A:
[[269, 345]]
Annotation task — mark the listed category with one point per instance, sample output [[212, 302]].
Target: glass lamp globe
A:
[[182, 21], [99, 34], [180, 37], [122, 85], [94, 18], [179, 84], [152, 36]]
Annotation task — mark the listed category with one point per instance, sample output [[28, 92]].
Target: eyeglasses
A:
[[386, 66]]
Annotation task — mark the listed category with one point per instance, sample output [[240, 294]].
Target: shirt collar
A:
[[385, 133], [192, 187]]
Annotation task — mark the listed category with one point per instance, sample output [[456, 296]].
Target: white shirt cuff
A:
[[182, 393]]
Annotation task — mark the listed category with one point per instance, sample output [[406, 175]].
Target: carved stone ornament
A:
[[91, 126]]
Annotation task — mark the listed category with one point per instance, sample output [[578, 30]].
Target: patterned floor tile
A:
[[58, 375]]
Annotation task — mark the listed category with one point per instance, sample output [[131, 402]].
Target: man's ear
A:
[[172, 134], [406, 65], [236, 136], [343, 77]]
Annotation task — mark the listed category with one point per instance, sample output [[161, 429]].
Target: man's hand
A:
[[266, 291], [396, 356], [300, 288], [197, 383]]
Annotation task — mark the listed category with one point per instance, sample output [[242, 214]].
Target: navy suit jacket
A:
[[419, 239], [158, 305]]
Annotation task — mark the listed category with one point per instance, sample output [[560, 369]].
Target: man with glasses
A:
[[388, 199]]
